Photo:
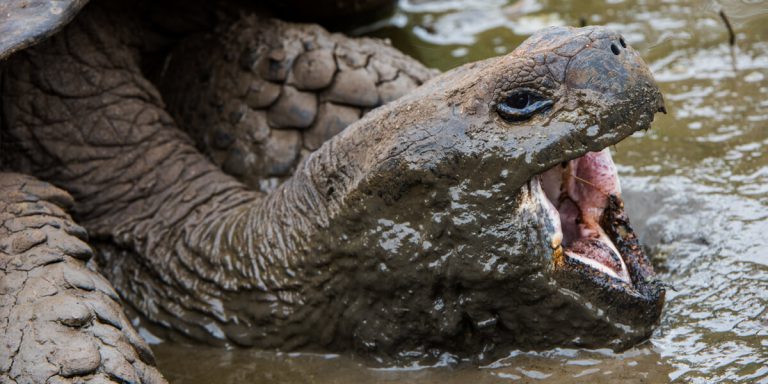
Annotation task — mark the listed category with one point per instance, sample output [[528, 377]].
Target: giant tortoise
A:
[[473, 213]]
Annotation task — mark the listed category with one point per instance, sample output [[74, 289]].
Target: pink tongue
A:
[[593, 178], [587, 181]]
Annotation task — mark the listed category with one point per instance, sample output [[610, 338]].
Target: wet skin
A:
[[419, 227]]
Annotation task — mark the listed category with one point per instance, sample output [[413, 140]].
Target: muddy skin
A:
[[456, 249], [415, 229], [61, 322], [260, 94]]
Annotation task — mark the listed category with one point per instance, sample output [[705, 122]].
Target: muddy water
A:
[[696, 187]]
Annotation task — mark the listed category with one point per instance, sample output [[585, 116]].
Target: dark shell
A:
[[27, 22]]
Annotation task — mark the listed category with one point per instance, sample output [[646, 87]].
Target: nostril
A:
[[615, 48], [622, 42]]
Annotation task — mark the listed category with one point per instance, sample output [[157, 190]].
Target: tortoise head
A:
[[485, 211]]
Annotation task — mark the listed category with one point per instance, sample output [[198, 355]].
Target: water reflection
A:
[[696, 189], [213, 365]]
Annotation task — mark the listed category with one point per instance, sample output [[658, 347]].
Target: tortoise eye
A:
[[521, 105]]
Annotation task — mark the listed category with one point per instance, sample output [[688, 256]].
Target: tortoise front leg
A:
[[59, 321], [259, 94]]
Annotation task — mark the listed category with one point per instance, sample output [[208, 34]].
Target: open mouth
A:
[[578, 194]]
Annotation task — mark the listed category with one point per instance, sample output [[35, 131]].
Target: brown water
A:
[[696, 187]]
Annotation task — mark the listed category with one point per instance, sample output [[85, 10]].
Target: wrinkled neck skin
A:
[[415, 229]]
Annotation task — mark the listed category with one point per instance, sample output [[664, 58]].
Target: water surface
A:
[[696, 188]]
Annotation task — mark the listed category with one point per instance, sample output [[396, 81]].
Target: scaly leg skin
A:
[[260, 94], [60, 322]]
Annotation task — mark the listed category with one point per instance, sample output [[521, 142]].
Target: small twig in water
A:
[[732, 36]]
